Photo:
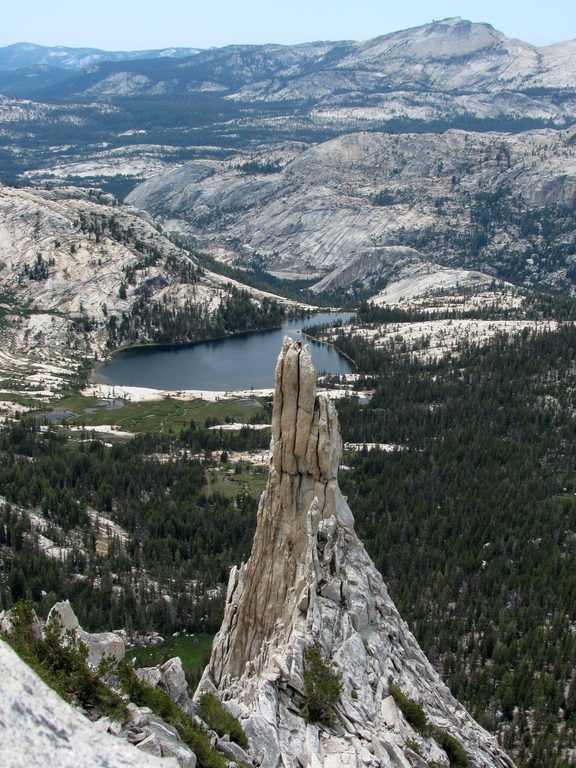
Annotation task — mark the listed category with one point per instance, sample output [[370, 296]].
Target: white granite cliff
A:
[[309, 579]]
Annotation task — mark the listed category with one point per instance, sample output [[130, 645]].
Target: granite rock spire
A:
[[309, 580]]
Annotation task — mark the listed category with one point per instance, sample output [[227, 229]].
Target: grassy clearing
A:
[[231, 485], [194, 652], [74, 403], [166, 415]]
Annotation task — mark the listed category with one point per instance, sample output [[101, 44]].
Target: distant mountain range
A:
[[304, 158], [450, 56], [28, 70], [23, 55], [434, 168]]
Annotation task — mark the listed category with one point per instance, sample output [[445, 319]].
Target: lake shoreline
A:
[[352, 362], [187, 344], [147, 394], [241, 362], [150, 394]]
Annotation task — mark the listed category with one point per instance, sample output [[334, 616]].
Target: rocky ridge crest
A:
[[359, 209], [37, 727], [309, 580], [452, 55]]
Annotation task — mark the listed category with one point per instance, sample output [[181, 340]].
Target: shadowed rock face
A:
[[310, 580]]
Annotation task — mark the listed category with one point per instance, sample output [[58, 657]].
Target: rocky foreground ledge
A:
[[37, 727], [310, 585]]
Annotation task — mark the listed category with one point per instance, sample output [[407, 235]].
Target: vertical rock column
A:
[[306, 449]]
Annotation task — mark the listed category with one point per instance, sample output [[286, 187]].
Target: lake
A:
[[235, 362]]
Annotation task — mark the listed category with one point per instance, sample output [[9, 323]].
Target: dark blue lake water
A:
[[237, 362]]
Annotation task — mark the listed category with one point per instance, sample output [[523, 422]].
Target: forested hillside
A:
[[472, 521], [164, 567]]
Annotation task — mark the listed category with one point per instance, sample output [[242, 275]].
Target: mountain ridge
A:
[[80, 272], [21, 55], [457, 199], [452, 55]]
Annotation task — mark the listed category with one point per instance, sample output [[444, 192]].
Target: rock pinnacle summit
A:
[[310, 583]]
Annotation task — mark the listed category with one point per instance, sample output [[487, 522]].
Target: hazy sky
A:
[[140, 24]]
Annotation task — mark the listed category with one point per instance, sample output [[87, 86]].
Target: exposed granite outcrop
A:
[[309, 579], [37, 727], [58, 738], [150, 734], [356, 210], [170, 678], [100, 645]]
